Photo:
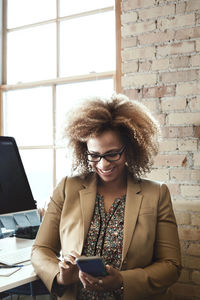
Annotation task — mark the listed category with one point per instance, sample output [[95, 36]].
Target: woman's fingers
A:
[[71, 257], [63, 265], [84, 279], [89, 282]]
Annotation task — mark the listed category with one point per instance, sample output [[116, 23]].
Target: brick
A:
[[158, 174], [139, 80], [175, 103], [180, 174], [190, 234], [130, 67], [151, 104], [133, 4], [180, 62], [198, 18], [176, 48], [182, 218], [185, 276], [191, 262], [195, 60], [195, 221], [198, 46], [189, 206], [171, 160], [131, 93], [188, 89], [129, 17], [168, 145], [193, 249], [184, 290], [144, 66], [136, 53], [155, 37], [184, 118], [187, 33], [187, 145], [194, 103], [177, 131], [180, 8], [138, 28], [185, 175], [173, 188], [159, 92], [196, 158], [177, 21], [197, 131], [195, 175], [154, 12], [171, 77], [160, 64], [192, 5], [164, 1], [196, 277], [190, 191], [129, 42], [161, 118], [182, 244]]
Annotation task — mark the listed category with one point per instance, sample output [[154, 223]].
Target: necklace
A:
[[104, 220]]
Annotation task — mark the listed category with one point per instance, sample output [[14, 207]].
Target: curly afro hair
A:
[[136, 126]]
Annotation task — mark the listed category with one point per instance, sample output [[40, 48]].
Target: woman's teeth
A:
[[105, 171]]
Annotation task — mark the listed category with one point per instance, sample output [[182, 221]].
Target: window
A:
[[54, 53]]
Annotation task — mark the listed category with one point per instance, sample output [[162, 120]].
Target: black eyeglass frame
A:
[[100, 156]]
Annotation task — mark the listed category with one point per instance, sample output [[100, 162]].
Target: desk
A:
[[26, 274]]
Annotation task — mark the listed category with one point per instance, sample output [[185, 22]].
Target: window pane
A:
[[78, 6], [87, 44], [22, 12], [63, 164], [38, 165], [28, 116], [31, 54], [67, 95]]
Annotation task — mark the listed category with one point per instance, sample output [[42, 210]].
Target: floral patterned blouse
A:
[[105, 239]]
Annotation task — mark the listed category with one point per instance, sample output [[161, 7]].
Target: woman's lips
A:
[[105, 172]]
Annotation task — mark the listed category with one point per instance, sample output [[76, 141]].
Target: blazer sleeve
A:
[[144, 283], [46, 249]]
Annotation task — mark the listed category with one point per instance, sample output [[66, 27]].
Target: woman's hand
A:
[[110, 282], [69, 272]]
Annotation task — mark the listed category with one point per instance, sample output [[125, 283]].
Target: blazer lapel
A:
[[133, 203], [87, 200]]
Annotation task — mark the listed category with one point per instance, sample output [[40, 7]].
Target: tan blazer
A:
[[151, 260]]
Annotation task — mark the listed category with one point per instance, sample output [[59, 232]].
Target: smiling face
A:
[[107, 143]]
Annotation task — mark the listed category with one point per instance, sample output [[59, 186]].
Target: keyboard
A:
[[13, 257]]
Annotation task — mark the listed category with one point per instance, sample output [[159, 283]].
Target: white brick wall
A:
[[161, 68]]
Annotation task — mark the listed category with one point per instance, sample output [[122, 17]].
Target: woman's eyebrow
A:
[[107, 152]]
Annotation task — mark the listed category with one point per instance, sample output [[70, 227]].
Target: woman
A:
[[108, 210]]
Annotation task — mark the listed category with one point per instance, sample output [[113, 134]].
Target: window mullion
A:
[[57, 39], [118, 75], [54, 132], [62, 80], [4, 42]]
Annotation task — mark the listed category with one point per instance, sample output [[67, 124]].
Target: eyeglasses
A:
[[112, 156]]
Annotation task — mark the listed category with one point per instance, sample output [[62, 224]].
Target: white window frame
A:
[[116, 75]]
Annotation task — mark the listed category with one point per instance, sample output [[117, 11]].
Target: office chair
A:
[[3, 295], [34, 288]]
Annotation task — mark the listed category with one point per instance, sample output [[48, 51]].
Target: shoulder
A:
[[153, 186], [147, 183], [75, 182]]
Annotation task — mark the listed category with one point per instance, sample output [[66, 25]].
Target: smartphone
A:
[[92, 265]]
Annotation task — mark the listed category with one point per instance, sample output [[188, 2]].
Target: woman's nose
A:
[[103, 163]]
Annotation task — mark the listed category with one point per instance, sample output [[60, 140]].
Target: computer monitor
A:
[[15, 191]]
